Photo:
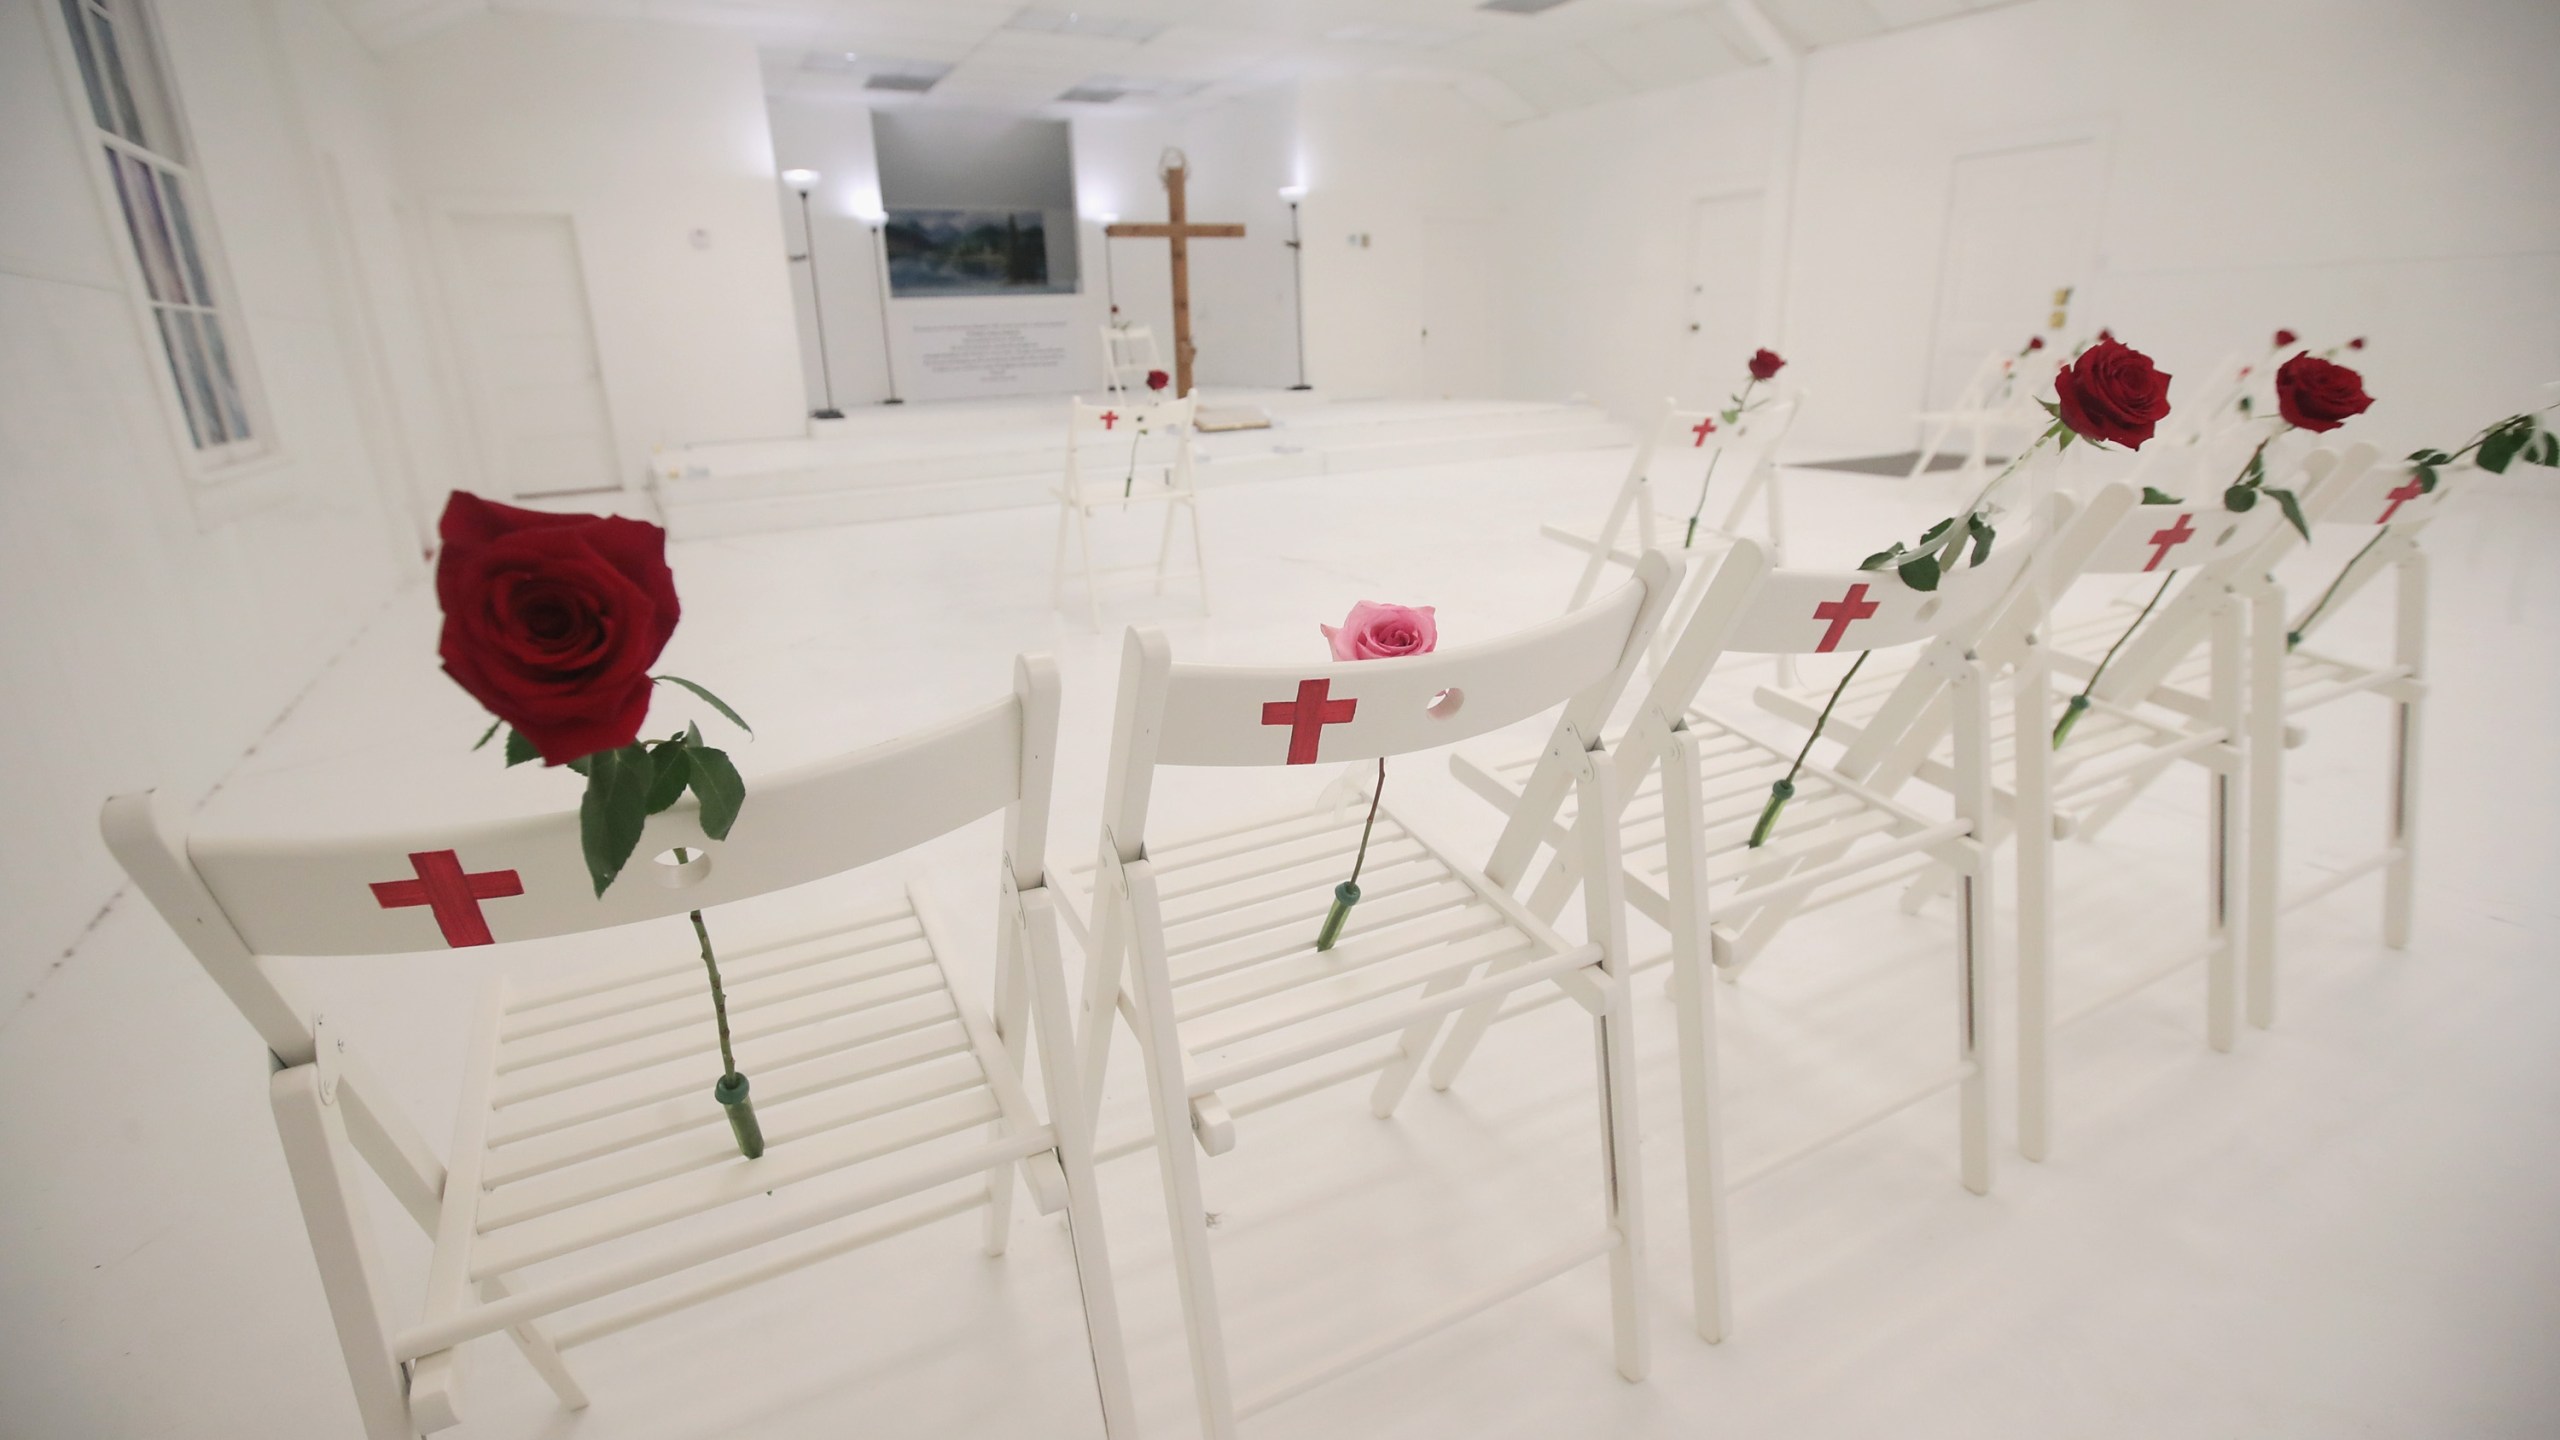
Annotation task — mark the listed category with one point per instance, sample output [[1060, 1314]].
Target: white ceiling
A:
[[1185, 53]]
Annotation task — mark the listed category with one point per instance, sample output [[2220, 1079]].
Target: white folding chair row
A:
[[593, 1183], [1687, 448], [1205, 945], [1121, 453], [1693, 789]]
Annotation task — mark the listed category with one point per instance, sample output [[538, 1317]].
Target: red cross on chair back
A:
[[451, 893], [1109, 418], [2164, 541], [2400, 495], [1307, 716], [1851, 607], [1705, 427]]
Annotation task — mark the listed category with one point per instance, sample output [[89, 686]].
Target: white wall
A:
[[644, 133], [1385, 158], [2365, 166], [142, 645]]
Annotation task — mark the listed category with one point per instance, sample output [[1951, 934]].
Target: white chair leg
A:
[[1199, 551], [2265, 801], [2224, 883], [1613, 1030], [2400, 876], [324, 1166], [1058, 560], [2032, 764], [1070, 1118], [1092, 583], [1415, 1046], [1693, 1003], [1164, 547], [1463, 1037], [1186, 1209], [1010, 1009]]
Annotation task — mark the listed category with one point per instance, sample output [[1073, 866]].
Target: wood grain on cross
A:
[[1179, 230]]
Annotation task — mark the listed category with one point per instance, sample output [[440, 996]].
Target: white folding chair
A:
[[2290, 680], [1692, 870], [1128, 353], [590, 1163], [1206, 945], [1121, 454], [1991, 403]]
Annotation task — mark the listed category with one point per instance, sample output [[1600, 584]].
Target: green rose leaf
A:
[[2545, 450], [2239, 499], [615, 810], [1982, 536], [716, 784], [1883, 557], [485, 734], [715, 701], [2426, 479], [1934, 531], [670, 768], [2257, 471], [584, 765], [519, 749], [2498, 449], [2292, 510], [2154, 495], [1920, 572]]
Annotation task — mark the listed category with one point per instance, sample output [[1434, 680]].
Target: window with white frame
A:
[[149, 167]]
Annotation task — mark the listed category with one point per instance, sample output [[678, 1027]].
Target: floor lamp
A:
[[880, 282], [805, 181], [1297, 279]]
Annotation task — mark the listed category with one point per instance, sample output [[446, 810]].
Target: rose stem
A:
[[2080, 702], [719, 1001], [2294, 637], [2011, 468], [1785, 789], [1740, 402], [1375, 795]]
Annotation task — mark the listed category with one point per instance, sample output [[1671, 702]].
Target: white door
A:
[[1460, 356], [537, 390], [2021, 224], [1723, 300]]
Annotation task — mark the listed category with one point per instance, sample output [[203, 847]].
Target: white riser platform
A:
[[937, 460]]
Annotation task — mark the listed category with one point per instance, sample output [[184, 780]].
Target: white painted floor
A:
[[2346, 1227]]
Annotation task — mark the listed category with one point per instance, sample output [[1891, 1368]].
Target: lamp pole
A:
[[880, 281], [1298, 280], [804, 181]]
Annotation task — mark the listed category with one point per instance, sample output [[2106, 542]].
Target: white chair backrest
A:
[[1128, 353], [2160, 539], [1129, 430], [1330, 711], [235, 901], [2388, 495], [1676, 452], [1815, 612]]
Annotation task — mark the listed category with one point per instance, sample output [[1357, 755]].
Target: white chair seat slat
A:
[[791, 1159], [1205, 919], [530, 1000], [614, 1092], [1381, 940], [1218, 884], [681, 978], [801, 1122], [1343, 1001], [668, 1113], [1261, 932], [747, 1028], [750, 994]]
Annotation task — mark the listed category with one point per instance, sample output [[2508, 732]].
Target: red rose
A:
[[552, 621], [2112, 392], [1157, 379], [2105, 334], [2034, 343], [2356, 344], [2284, 338], [2318, 394], [1765, 364]]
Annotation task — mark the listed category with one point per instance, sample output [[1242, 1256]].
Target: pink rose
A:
[[1378, 632]]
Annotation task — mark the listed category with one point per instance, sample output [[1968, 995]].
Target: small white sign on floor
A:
[[961, 349]]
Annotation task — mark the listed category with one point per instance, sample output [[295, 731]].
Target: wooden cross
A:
[[1178, 229], [1307, 716], [450, 893]]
